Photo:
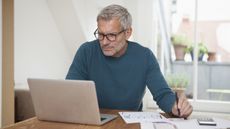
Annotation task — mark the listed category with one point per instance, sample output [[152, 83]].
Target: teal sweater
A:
[[121, 82]]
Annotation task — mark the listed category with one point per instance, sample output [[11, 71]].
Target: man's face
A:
[[112, 28]]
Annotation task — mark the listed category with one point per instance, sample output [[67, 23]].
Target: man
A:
[[121, 69]]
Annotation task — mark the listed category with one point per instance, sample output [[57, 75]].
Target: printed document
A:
[[138, 117]]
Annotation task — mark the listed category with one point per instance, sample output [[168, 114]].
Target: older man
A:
[[122, 69]]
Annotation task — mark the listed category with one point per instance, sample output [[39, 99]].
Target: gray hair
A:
[[116, 11]]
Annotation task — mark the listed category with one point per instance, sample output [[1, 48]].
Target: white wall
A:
[[68, 23], [1, 64], [39, 48], [143, 22]]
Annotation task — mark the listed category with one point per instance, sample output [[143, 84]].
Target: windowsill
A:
[[202, 63]]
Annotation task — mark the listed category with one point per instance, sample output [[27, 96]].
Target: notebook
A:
[[73, 101]]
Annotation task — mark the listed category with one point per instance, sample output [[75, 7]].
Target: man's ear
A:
[[128, 33]]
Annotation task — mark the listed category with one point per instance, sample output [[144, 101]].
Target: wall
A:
[[39, 47], [68, 24], [144, 22]]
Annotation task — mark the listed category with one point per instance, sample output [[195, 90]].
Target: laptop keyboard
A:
[[103, 118]]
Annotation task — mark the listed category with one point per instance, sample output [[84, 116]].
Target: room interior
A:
[[39, 39]]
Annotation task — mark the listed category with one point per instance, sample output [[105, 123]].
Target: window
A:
[[207, 23]]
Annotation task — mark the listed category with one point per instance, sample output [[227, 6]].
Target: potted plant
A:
[[177, 81], [180, 43], [202, 49], [211, 56]]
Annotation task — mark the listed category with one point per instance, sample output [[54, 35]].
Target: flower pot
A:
[[200, 58], [179, 52], [211, 56], [178, 90]]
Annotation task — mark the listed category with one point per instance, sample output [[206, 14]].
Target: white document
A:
[[222, 123], [152, 120], [185, 124], [150, 125], [138, 117], [193, 124], [147, 125]]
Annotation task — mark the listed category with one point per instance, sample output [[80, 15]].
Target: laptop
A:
[[72, 101]]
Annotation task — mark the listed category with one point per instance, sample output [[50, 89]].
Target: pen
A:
[[177, 100]]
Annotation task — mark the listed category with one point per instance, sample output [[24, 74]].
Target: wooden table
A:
[[34, 123]]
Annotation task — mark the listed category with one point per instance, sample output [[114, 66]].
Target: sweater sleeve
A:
[[158, 86], [78, 68]]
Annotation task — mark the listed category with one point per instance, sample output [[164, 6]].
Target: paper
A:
[[193, 124], [183, 124], [138, 117], [149, 125], [152, 120], [222, 123]]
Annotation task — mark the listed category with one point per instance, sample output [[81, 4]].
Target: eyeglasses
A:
[[110, 36]]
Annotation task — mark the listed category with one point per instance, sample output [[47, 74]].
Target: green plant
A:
[[178, 39], [202, 49], [177, 80]]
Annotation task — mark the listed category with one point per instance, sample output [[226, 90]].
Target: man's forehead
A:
[[111, 25], [113, 20], [108, 18]]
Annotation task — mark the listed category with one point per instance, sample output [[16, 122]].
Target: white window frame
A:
[[198, 105]]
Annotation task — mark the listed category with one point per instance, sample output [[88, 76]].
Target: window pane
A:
[[213, 29]]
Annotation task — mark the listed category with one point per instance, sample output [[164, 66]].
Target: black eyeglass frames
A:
[[109, 36]]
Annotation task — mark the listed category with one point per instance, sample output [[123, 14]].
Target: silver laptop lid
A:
[[72, 101]]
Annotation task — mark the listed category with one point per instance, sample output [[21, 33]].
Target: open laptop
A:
[[73, 101]]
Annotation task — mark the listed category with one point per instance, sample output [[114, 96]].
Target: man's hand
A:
[[185, 108]]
